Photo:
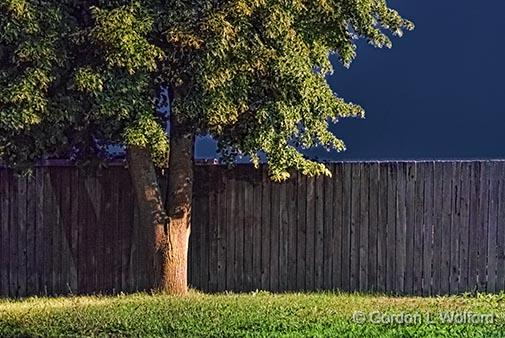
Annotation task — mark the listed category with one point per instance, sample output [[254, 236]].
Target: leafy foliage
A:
[[251, 73]]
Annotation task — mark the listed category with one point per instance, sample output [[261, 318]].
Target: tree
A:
[[76, 75]]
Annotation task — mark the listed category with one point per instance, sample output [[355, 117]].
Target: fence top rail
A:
[[213, 162]]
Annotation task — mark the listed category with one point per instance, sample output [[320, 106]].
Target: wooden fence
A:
[[401, 227]]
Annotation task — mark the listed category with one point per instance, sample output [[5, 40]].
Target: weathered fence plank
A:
[[292, 226], [274, 237], [301, 231], [257, 253], [492, 227], [4, 232], [382, 222], [455, 229], [482, 225], [265, 230], [355, 224], [464, 219], [319, 232], [417, 259], [410, 172], [310, 234], [215, 180], [346, 229], [428, 223], [221, 205], [401, 227], [373, 220], [363, 224], [392, 169], [329, 227], [337, 226], [500, 236], [474, 234]]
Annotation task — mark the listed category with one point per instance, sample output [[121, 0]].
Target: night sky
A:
[[438, 94]]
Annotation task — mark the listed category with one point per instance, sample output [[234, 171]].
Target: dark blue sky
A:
[[438, 94]]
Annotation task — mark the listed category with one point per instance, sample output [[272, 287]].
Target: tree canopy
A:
[[76, 75]]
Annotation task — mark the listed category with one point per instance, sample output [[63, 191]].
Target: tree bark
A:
[[179, 201], [149, 236]]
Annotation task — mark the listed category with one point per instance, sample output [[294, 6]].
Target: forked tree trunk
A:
[[179, 202], [165, 230]]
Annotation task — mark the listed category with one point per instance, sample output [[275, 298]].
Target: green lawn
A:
[[253, 315]]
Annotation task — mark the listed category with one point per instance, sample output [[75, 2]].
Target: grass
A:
[[249, 315]]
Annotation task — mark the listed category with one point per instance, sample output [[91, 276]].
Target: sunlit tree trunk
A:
[[179, 201]]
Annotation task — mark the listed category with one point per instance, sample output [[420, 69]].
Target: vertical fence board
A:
[[483, 218], [283, 239], [115, 236], [248, 231], [94, 244], [204, 231], [310, 234], [363, 224], [221, 229], [500, 236], [364, 254], [355, 225], [74, 219], [428, 227], [21, 235], [215, 179], [401, 227], [127, 230], [301, 231], [391, 226], [417, 259], [492, 226], [319, 232], [231, 217], [49, 225], [382, 222], [474, 233], [39, 231], [410, 208], [346, 229], [464, 204], [278, 258], [337, 233], [265, 229], [31, 252], [292, 201], [105, 225], [447, 207], [455, 229], [439, 203], [372, 225], [328, 239], [257, 205], [13, 237], [5, 200], [274, 236], [65, 213]]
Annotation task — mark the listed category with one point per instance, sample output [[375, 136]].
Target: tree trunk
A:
[[179, 202], [165, 231], [150, 235]]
